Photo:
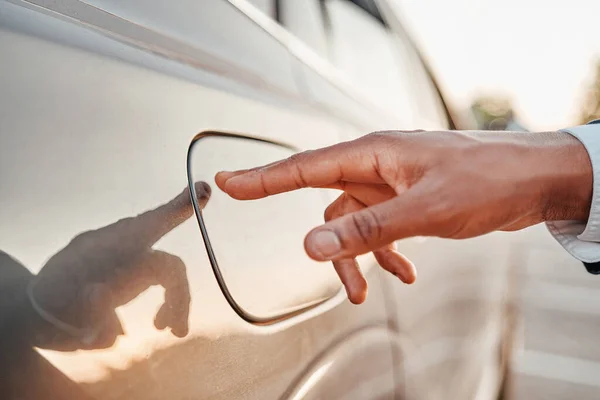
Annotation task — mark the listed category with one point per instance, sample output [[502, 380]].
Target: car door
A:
[[100, 101]]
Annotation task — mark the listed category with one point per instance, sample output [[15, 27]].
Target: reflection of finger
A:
[[101, 319], [107, 334], [162, 319], [348, 269], [203, 192], [150, 226], [159, 268], [169, 271], [96, 299], [171, 314]]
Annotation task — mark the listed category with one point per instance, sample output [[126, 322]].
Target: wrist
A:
[[567, 191]]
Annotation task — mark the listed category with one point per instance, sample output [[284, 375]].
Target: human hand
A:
[[447, 184], [100, 270]]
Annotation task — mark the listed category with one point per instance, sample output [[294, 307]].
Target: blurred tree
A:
[[492, 112], [591, 102]]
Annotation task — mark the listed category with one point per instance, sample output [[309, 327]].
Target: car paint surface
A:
[[99, 102]]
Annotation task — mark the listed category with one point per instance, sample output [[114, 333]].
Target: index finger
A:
[[348, 161]]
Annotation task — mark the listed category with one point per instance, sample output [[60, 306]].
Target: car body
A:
[[99, 102]]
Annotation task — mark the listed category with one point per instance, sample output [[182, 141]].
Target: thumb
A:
[[369, 229]]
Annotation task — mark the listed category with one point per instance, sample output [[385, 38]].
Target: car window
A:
[[430, 105], [363, 48], [323, 84], [354, 37], [370, 7], [305, 20]]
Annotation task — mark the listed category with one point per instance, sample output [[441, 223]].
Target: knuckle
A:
[[393, 134], [84, 239], [295, 163], [169, 265], [264, 186], [366, 226], [383, 161], [299, 157], [380, 136], [295, 158], [299, 176], [178, 266]]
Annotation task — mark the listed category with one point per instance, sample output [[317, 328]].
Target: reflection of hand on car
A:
[[78, 289], [447, 184]]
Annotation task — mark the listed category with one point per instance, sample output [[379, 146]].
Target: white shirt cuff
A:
[[580, 238]]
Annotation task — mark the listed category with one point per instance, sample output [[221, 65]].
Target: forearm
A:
[[558, 167], [548, 173]]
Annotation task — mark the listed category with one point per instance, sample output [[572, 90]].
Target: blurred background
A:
[[536, 59]]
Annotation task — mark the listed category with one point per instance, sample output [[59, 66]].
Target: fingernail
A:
[[325, 244], [222, 177], [236, 178], [203, 189], [225, 174]]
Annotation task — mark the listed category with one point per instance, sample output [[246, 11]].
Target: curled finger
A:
[[396, 263], [348, 269], [169, 271]]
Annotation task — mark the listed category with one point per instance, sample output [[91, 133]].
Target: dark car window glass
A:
[[370, 7], [353, 35]]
